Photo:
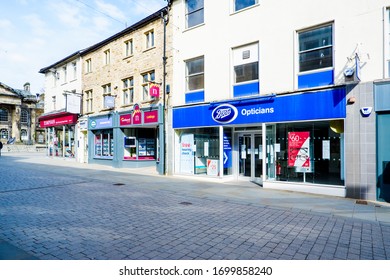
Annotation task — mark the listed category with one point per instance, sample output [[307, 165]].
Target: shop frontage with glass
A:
[[127, 139], [61, 133], [291, 142]]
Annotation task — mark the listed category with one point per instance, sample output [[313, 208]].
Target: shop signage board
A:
[[98, 123], [154, 90], [63, 120], [151, 116], [291, 107], [125, 120]]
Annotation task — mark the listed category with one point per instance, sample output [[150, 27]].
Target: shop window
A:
[[103, 144], [194, 12], [306, 152], [199, 151], [242, 4], [140, 144], [3, 115]]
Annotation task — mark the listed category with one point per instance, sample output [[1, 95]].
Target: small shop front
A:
[[127, 139], [60, 133], [291, 142]]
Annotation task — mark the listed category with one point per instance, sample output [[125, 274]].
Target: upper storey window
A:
[[315, 49], [242, 4], [194, 12]]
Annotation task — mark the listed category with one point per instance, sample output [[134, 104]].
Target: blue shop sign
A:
[[327, 104], [98, 123]]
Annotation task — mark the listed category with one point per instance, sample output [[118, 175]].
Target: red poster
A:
[[151, 117], [125, 120], [299, 149]]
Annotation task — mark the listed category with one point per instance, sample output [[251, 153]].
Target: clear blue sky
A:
[[37, 33]]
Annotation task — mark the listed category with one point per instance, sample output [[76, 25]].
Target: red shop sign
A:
[[70, 119], [151, 117], [125, 120]]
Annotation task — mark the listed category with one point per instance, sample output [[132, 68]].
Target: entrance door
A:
[[250, 157], [383, 157]]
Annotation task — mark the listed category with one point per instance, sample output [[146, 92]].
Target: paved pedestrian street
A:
[[54, 209]]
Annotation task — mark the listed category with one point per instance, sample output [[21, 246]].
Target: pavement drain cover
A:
[[185, 203], [361, 202], [119, 184]]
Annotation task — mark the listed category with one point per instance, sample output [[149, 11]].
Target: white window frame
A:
[[129, 47], [147, 77], [74, 67], [188, 14], [150, 39], [88, 65], [107, 57], [319, 69], [240, 54], [195, 74], [89, 100], [128, 91], [234, 10]]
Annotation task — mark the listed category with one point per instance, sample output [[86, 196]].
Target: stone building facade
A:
[[19, 112], [123, 83]]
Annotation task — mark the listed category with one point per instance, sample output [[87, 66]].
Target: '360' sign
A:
[[225, 113]]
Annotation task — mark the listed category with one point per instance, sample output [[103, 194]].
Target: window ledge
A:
[[149, 49], [194, 27], [245, 9]]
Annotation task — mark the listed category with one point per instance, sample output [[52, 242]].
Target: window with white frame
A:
[[129, 47], [107, 57], [246, 63], [194, 12], [106, 89], [316, 48], [242, 4], [195, 74], [88, 65], [89, 100], [146, 79], [3, 115], [64, 70], [149, 39], [74, 67], [128, 91], [24, 116]]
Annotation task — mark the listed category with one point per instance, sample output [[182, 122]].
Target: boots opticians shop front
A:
[[291, 142]]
